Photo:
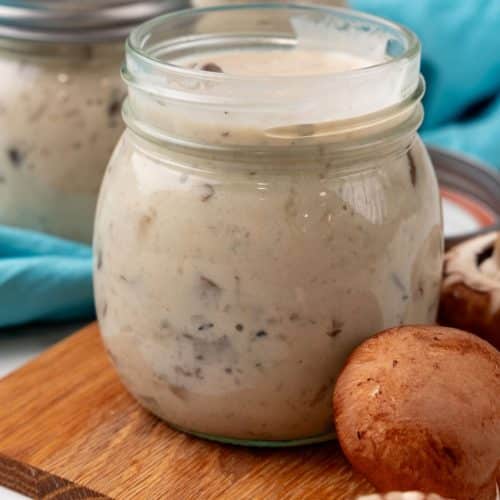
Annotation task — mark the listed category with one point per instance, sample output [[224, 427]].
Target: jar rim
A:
[[140, 34], [181, 98], [78, 22]]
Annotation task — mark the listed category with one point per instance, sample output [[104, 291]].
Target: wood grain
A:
[[36, 483], [66, 414]]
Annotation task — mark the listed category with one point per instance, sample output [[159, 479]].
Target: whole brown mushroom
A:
[[470, 295], [418, 408]]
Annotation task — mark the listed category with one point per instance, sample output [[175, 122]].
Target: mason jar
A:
[[269, 207], [60, 101]]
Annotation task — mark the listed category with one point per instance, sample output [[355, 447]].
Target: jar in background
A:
[[269, 207], [60, 107]]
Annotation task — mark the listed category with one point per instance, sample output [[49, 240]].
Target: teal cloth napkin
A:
[[45, 278], [461, 64]]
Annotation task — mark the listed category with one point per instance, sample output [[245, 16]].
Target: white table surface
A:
[[6, 494], [19, 345]]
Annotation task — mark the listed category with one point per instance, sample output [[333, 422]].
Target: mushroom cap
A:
[[418, 408], [402, 495], [470, 295]]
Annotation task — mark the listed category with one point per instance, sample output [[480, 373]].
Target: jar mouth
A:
[[167, 96], [404, 45]]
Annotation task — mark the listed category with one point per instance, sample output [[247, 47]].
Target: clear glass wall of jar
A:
[[60, 109], [252, 230]]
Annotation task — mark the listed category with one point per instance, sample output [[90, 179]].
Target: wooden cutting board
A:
[[68, 429]]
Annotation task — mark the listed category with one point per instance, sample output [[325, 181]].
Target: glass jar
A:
[[60, 103], [253, 229]]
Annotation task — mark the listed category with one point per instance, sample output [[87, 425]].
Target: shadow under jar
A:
[[60, 107], [269, 207]]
